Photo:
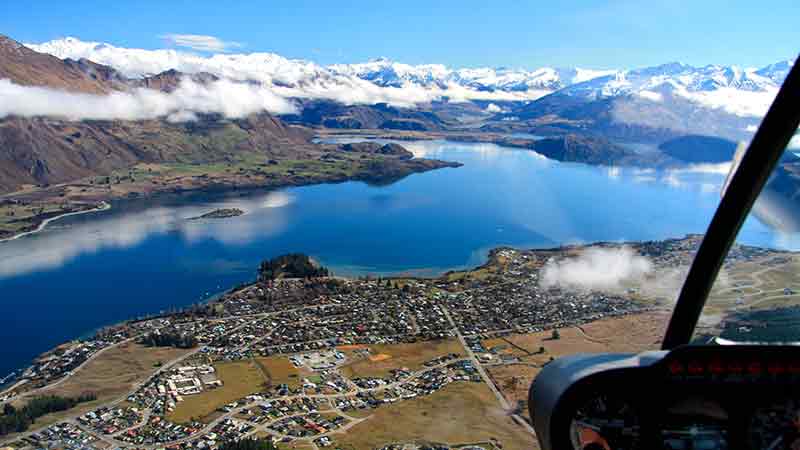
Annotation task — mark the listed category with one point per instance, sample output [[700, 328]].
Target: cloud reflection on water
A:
[[59, 243]]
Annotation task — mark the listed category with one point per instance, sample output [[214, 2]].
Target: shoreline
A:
[[405, 169], [491, 255], [104, 206]]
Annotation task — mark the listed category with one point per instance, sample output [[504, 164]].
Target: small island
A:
[[220, 213]]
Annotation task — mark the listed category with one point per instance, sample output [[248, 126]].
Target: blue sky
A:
[[466, 33]]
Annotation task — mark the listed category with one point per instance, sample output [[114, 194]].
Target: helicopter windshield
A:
[[756, 296]]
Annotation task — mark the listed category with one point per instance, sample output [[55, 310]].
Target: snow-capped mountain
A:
[[385, 72], [776, 72], [743, 92], [135, 63], [735, 90]]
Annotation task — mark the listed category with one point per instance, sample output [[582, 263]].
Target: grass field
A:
[[756, 284], [111, 375], [384, 358], [297, 445], [633, 333], [514, 381], [280, 370], [239, 379], [461, 413]]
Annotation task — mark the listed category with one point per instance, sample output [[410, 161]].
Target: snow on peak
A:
[[738, 90], [776, 72]]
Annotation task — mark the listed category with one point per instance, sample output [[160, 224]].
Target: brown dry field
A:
[[633, 333], [297, 445], [394, 356], [279, 370], [460, 413], [239, 379], [111, 375]]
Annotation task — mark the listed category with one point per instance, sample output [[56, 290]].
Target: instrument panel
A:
[[693, 398]]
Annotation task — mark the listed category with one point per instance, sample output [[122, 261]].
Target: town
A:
[[306, 360]]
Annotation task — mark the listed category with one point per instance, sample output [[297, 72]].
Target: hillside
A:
[[23, 66], [52, 165], [647, 104], [699, 149], [584, 149], [331, 114], [48, 151]]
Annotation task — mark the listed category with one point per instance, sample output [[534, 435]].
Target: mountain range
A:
[[104, 122], [650, 104], [122, 102], [712, 86]]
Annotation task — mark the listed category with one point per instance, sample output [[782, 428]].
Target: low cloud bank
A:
[[231, 99], [275, 76], [596, 269], [738, 102]]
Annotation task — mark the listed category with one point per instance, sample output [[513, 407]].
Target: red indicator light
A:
[[695, 368], [676, 368], [776, 368], [735, 367], [716, 367], [754, 368]]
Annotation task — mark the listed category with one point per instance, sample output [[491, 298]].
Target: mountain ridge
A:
[[384, 72]]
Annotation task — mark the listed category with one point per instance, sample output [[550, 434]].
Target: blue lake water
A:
[[143, 257]]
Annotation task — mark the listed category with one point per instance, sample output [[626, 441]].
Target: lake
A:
[[143, 256]]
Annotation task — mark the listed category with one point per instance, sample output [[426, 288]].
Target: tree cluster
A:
[[16, 420], [168, 339], [293, 265]]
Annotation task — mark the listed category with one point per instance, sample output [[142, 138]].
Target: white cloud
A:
[[739, 102], [596, 269], [652, 96], [795, 142], [285, 77], [231, 99], [399, 84], [200, 42], [492, 108]]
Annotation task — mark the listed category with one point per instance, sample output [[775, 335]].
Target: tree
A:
[[168, 339], [293, 265], [18, 420]]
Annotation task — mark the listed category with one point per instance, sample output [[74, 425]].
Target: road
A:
[[488, 380], [208, 427], [111, 439]]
